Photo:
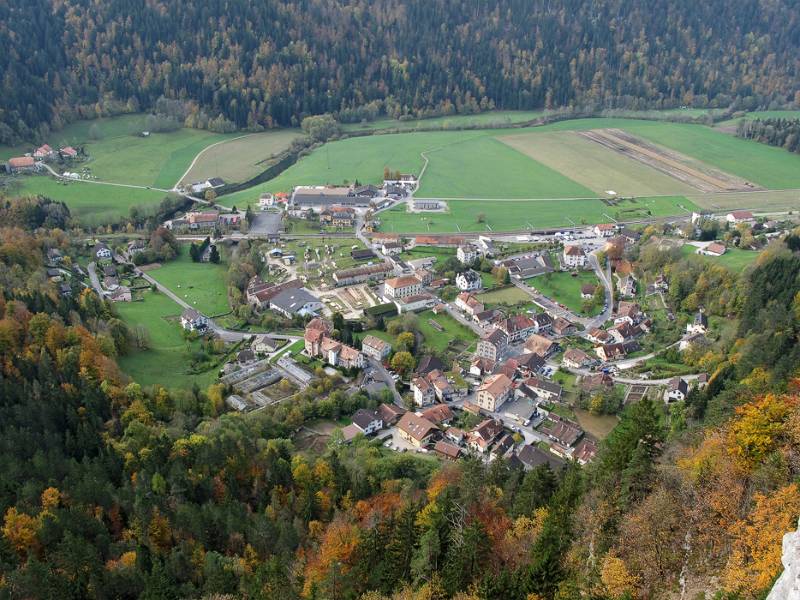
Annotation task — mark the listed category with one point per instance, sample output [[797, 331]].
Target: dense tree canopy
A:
[[261, 64]]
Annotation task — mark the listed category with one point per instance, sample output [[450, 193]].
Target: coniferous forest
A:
[[241, 64]]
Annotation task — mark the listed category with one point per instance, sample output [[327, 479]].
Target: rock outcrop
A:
[[787, 587]]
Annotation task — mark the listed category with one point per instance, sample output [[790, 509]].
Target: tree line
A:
[[259, 65], [784, 133]]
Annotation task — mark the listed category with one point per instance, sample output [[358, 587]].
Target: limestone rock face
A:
[[787, 587]]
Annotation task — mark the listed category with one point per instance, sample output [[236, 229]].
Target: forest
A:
[[112, 490], [784, 133], [236, 64]]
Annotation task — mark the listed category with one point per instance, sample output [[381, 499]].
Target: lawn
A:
[[453, 334], [735, 259], [200, 284], [594, 166], [507, 296], [517, 215], [417, 252], [166, 361], [91, 203], [563, 288], [241, 158]]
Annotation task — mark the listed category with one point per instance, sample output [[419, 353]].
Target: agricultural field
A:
[[565, 288], [516, 215], [241, 158], [92, 203], [166, 361], [735, 259], [200, 284]]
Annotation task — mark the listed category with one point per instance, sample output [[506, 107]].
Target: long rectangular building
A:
[[319, 195], [377, 272]]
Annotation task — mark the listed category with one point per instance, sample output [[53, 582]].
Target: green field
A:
[[453, 334], [735, 259], [515, 215], [92, 203], [495, 118], [594, 166], [200, 284], [508, 296], [241, 158], [563, 288], [166, 361]]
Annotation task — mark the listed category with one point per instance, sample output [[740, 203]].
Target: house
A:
[[245, 356], [529, 364], [438, 414], [350, 432], [468, 281], [338, 216], [102, 252], [43, 152], [121, 293], [542, 323], [362, 254], [574, 256], [316, 330], [575, 358], [713, 249], [392, 248], [533, 456], [608, 352], [368, 421], [528, 266], [629, 312], [517, 328], [692, 339], [264, 344], [623, 332], [469, 303], [598, 336], [364, 274], [338, 354], [546, 390], [485, 246], [415, 429], [699, 324], [494, 391], [191, 320], [627, 286], [562, 431], [631, 236], [597, 381], [423, 391], [585, 451], [136, 246], [541, 345], [68, 152], [604, 230], [467, 254], [293, 302], [442, 388], [481, 366], [54, 256], [481, 437], [428, 364], [22, 164], [677, 389], [390, 413], [401, 287], [416, 303], [455, 435], [202, 220], [447, 450], [376, 348], [259, 294], [739, 216], [492, 345], [488, 317], [587, 291], [562, 326], [440, 241], [502, 446]]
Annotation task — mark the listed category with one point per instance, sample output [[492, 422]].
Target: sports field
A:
[[594, 166], [516, 215], [200, 284], [92, 203], [241, 158], [166, 360]]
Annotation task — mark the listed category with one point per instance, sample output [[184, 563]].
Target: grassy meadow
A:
[[565, 288], [200, 284], [166, 360], [735, 259]]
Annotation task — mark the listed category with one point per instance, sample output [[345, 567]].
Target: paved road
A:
[[387, 379], [456, 314], [95, 281], [608, 284]]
